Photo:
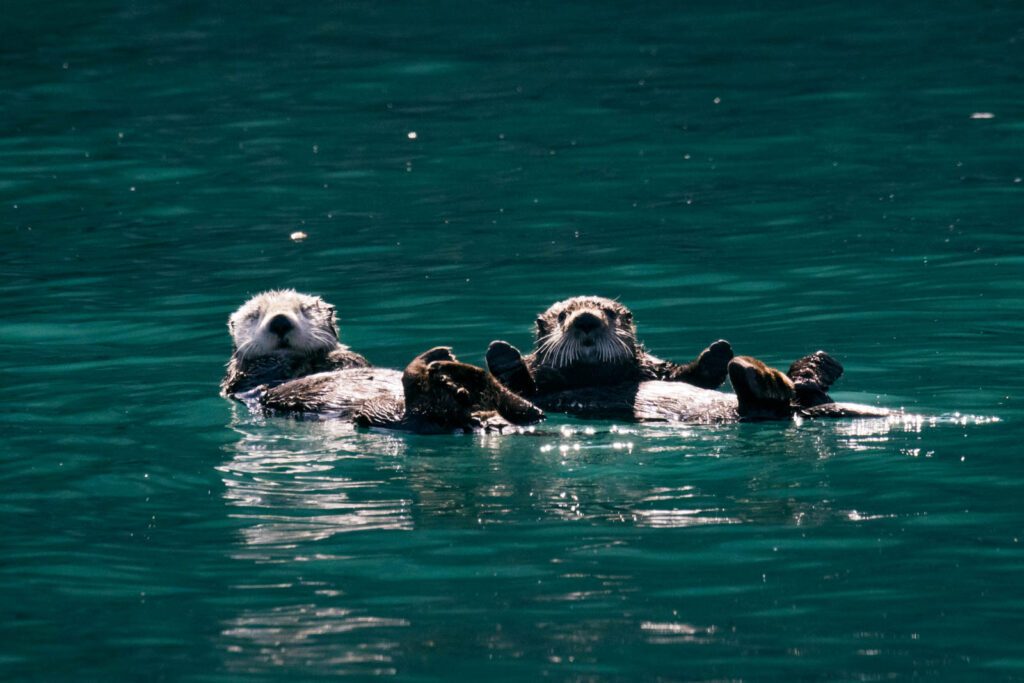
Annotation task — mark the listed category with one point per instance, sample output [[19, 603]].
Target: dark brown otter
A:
[[591, 341], [442, 395], [280, 335], [587, 362]]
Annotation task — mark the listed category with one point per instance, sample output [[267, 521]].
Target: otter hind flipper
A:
[[763, 393], [481, 393], [812, 376], [512, 407], [443, 394], [505, 362]]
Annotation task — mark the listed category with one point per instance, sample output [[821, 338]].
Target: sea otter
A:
[[588, 362], [435, 394], [590, 341], [280, 335]]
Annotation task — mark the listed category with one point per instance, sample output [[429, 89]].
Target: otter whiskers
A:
[[561, 350]]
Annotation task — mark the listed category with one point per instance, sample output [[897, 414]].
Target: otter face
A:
[[586, 330], [283, 321]]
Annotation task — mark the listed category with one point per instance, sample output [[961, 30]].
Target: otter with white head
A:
[[281, 335]]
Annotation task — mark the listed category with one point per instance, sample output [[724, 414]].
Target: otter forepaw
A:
[[712, 365], [505, 362]]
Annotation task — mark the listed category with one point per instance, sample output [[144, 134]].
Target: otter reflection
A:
[[312, 482]]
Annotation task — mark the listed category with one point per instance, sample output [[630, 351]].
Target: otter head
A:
[[283, 322], [586, 330]]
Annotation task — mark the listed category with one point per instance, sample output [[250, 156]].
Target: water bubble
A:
[[411, 135]]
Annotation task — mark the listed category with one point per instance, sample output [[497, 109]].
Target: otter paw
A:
[[505, 362], [502, 357], [713, 365]]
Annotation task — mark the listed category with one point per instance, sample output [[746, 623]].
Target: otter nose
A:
[[586, 322], [281, 325]]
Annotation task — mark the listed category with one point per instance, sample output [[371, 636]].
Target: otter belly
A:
[[658, 401], [340, 393], [651, 401]]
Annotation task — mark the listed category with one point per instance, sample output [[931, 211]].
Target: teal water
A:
[[788, 177]]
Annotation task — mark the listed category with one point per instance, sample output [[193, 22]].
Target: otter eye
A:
[[561, 317], [611, 313], [253, 316]]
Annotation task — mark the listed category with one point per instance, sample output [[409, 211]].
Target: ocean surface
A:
[[787, 176]]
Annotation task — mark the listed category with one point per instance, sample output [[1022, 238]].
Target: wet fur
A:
[[601, 370], [566, 357], [443, 395], [262, 357]]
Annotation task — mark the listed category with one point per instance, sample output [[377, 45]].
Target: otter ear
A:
[[542, 325]]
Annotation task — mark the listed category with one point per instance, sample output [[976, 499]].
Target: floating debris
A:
[[983, 115], [298, 236]]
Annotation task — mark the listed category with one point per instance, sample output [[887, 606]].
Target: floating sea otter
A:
[[280, 335], [588, 362], [287, 360], [591, 341]]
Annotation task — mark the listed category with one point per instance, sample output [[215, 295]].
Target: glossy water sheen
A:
[[788, 176]]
